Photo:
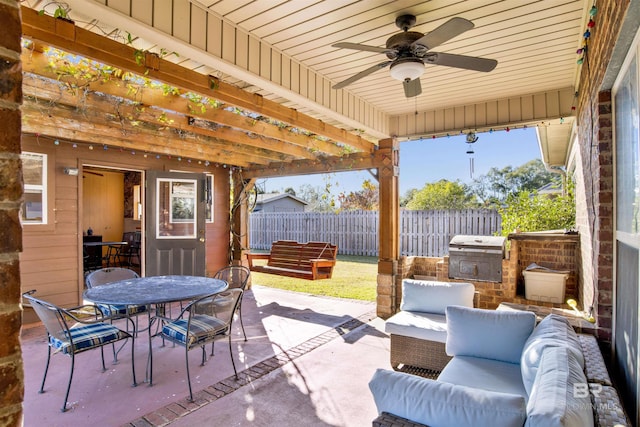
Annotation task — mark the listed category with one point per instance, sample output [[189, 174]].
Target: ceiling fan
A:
[[407, 52]]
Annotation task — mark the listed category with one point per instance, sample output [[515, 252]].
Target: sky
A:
[[430, 160]]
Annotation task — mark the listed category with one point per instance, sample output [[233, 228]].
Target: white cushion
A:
[[439, 404], [433, 297], [490, 334], [552, 331], [425, 326], [560, 394], [484, 374]]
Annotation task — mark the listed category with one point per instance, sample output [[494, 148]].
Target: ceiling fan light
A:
[[407, 70]]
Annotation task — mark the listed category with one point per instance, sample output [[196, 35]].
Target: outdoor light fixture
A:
[[71, 171], [407, 69]]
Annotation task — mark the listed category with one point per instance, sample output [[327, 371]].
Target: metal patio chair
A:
[[237, 276], [76, 330], [109, 275], [203, 321]]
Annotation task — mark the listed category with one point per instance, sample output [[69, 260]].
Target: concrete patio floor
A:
[[307, 361]]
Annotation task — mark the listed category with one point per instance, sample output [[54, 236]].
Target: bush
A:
[[534, 212]]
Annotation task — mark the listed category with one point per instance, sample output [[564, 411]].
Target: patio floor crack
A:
[[169, 413]]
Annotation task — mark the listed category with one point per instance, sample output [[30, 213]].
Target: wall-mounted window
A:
[[34, 172]]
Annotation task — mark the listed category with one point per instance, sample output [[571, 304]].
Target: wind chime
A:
[[471, 138]]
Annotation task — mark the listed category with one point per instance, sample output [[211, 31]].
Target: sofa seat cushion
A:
[[440, 404], [552, 331], [560, 394], [489, 334], [484, 374], [429, 296], [425, 326]]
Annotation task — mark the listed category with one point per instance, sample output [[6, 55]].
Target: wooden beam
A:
[[348, 163], [56, 120], [388, 172], [37, 63], [51, 92], [70, 38]]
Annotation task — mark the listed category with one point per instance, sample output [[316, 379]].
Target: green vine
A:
[[61, 11]]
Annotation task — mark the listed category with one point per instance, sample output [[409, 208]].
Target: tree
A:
[[319, 200], [407, 197], [290, 190], [443, 195], [365, 199], [498, 184]]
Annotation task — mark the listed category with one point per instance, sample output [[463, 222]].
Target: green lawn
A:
[[353, 277]]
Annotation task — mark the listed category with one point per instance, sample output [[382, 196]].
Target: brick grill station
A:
[[552, 250]]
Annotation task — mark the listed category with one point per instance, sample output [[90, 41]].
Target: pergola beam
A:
[[128, 112], [293, 143], [70, 38]]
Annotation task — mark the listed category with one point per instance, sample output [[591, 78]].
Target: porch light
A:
[[407, 69]]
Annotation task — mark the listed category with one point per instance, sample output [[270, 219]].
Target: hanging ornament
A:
[[91, 147], [74, 145], [105, 148], [593, 11], [56, 142]]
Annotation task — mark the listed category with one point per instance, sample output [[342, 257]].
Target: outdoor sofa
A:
[[504, 373]]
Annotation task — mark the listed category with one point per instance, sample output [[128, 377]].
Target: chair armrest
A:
[[86, 313], [251, 257], [323, 262]]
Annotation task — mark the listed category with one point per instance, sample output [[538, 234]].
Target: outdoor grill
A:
[[476, 258]]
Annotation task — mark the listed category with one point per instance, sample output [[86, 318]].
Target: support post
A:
[[240, 218], [389, 232]]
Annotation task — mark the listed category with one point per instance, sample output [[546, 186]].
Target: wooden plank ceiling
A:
[[278, 54]]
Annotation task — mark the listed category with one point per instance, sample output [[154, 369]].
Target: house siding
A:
[[51, 259]]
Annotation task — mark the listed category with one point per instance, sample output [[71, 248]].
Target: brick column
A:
[[11, 373]]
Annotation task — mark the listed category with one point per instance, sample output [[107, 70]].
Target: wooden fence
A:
[[422, 233]]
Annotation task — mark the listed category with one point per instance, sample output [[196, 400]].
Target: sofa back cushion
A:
[[552, 331], [439, 404], [560, 395], [490, 334], [433, 297]]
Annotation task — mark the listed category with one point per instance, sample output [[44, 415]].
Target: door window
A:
[[176, 208]]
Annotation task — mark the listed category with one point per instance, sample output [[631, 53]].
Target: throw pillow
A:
[[490, 334]]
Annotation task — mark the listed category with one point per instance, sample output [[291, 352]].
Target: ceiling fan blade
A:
[[412, 87], [361, 74], [453, 27], [356, 46], [460, 61]]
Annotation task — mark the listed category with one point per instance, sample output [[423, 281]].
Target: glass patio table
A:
[[157, 291]]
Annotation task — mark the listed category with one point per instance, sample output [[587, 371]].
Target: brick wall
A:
[[11, 373], [594, 172]]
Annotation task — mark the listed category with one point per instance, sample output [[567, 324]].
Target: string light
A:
[[587, 34]]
